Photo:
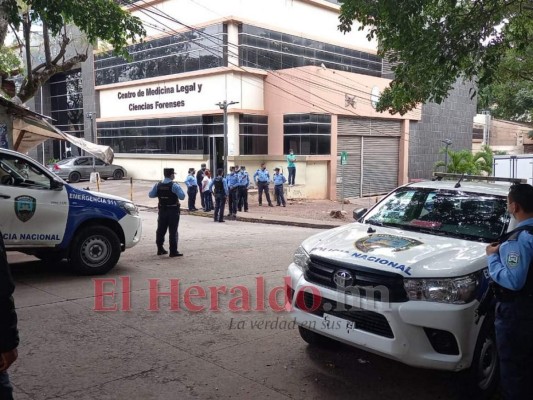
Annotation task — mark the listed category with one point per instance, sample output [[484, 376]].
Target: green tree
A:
[[465, 162], [510, 95], [97, 19], [435, 42]]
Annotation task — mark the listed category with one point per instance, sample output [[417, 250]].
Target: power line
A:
[[166, 16]]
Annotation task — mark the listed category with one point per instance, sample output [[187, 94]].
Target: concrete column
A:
[[403, 157]]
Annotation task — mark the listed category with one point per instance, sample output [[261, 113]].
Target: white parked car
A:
[[46, 217], [405, 280]]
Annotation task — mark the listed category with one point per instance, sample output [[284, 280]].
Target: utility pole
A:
[[224, 106]]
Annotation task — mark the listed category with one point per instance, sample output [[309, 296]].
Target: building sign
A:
[[167, 97]]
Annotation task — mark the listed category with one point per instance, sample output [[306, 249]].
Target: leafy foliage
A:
[[435, 42], [510, 96], [465, 162], [97, 19]]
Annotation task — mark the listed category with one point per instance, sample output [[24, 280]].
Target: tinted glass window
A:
[[266, 49], [471, 216], [183, 52]]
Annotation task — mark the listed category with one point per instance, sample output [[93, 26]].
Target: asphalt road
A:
[[70, 351]]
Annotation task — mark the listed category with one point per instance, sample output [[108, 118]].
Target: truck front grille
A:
[[369, 283]]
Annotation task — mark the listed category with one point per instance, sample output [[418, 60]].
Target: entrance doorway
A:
[[216, 154]]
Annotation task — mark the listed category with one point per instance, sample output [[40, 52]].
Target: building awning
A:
[[30, 129]]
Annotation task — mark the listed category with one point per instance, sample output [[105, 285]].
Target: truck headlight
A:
[[130, 208], [460, 290], [301, 258]]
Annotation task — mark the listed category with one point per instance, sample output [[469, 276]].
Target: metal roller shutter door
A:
[[380, 164], [352, 170]]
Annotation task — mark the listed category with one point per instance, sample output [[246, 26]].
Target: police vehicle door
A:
[[33, 213]]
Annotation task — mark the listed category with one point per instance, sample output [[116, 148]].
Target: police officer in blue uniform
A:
[[192, 189], [511, 269], [219, 187], [262, 179], [169, 193], [242, 194], [233, 185]]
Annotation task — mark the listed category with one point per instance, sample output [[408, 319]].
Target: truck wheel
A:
[[95, 251], [74, 177], [315, 339], [118, 174], [482, 378]]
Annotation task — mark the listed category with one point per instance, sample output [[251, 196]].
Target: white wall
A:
[[296, 17]]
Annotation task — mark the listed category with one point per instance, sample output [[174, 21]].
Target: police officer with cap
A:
[[511, 269], [169, 194], [199, 178]]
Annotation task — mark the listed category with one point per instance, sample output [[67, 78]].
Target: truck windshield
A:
[[471, 216]]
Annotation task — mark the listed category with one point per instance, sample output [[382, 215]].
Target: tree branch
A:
[[46, 43], [26, 25]]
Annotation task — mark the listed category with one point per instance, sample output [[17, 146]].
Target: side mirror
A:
[[56, 184], [358, 213]]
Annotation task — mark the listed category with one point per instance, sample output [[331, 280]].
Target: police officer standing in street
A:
[[262, 179], [233, 185], [169, 193], [242, 193], [199, 178], [510, 267], [9, 338], [219, 188], [192, 189]]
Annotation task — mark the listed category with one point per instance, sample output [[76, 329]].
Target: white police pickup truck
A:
[[405, 280], [41, 215]]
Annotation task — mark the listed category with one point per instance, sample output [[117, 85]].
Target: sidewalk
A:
[[305, 213]]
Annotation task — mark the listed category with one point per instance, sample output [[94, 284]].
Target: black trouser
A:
[[514, 339], [292, 175], [233, 200], [202, 197], [191, 193], [168, 218], [278, 192], [263, 187], [220, 203], [243, 198], [6, 390]]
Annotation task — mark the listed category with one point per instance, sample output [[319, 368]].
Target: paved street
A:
[[70, 351]]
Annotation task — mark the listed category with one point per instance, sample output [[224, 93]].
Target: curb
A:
[[302, 224]]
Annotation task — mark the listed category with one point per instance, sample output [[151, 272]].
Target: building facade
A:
[[287, 79]]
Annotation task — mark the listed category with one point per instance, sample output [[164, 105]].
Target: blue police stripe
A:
[[83, 206]]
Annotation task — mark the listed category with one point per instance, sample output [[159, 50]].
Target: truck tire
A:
[[317, 340], [95, 251], [482, 378]]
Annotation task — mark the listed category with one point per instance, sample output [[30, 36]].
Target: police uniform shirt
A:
[[243, 179], [232, 180], [191, 181], [279, 179], [176, 189], [262, 175], [509, 266]]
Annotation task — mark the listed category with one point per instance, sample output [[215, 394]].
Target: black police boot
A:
[[161, 251]]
